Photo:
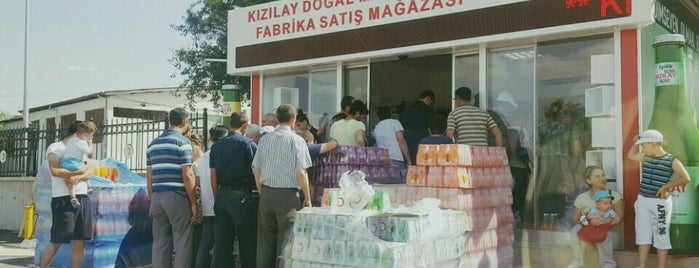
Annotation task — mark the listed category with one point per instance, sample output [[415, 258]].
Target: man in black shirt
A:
[[236, 198], [415, 120]]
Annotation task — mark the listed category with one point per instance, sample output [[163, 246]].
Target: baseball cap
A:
[[602, 194], [266, 129], [506, 97], [650, 135]]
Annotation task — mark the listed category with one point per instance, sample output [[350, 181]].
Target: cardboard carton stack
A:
[[472, 179], [373, 161]]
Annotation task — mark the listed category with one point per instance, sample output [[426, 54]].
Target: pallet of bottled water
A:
[[327, 237], [122, 231]]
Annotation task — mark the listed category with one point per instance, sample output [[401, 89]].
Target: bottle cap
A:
[[669, 39]]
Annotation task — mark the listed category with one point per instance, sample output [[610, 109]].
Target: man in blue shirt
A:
[[171, 188], [236, 197]]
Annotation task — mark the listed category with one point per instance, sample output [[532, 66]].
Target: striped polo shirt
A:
[[280, 155], [656, 173], [165, 156], [470, 125]]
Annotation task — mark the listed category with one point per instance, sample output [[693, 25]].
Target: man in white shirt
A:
[[69, 223], [389, 134]]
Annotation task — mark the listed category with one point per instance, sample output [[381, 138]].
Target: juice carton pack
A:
[[435, 176], [427, 154], [498, 156], [417, 176], [450, 177], [451, 154]]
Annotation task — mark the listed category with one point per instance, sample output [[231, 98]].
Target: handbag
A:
[[594, 234]]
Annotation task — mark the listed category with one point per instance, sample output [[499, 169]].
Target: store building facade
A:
[[580, 73]]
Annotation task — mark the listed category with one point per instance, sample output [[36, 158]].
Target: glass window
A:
[[563, 131], [315, 93], [284, 88], [323, 97], [510, 98], [356, 81], [466, 73]]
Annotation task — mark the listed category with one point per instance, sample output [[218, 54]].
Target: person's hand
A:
[[193, 207], [307, 202], [615, 221], [663, 192], [596, 221], [72, 181]]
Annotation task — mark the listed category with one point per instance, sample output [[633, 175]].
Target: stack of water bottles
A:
[[472, 179], [122, 227], [421, 235], [373, 161]]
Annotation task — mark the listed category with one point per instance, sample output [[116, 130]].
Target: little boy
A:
[[76, 152], [438, 125], [603, 209], [654, 204]]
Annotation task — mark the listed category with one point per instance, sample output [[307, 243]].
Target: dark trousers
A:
[[236, 215], [206, 242], [519, 191], [276, 221]]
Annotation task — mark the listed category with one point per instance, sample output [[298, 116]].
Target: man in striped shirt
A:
[[171, 189], [468, 124], [279, 168]]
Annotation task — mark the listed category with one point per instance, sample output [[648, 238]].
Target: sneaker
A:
[[89, 191], [583, 220], [74, 201]]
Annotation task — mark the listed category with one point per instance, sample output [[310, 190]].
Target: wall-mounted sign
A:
[[290, 31], [3, 156]]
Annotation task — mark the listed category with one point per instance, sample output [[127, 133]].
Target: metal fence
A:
[[23, 150]]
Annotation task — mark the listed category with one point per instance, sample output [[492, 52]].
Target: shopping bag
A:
[[594, 233]]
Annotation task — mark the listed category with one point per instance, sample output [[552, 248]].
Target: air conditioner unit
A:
[[285, 95]]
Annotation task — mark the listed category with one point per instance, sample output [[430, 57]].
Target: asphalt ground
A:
[[13, 252]]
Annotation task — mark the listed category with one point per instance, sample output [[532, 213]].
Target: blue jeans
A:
[[236, 215]]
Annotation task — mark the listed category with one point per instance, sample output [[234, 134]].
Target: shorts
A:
[[653, 221], [71, 163], [71, 223]]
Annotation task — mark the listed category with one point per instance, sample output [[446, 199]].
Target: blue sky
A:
[[77, 48]]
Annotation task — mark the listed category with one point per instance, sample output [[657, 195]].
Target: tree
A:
[[206, 22]]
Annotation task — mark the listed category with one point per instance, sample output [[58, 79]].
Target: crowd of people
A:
[[249, 185]]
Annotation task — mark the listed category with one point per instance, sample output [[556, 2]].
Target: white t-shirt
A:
[[344, 131], [58, 185], [385, 135], [207, 195], [76, 148]]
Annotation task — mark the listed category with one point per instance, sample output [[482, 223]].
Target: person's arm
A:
[[302, 176], [403, 148], [57, 171], [577, 213], [619, 209], [614, 220], [450, 134], [682, 179], [189, 183], [256, 174], [149, 179], [359, 137], [328, 146], [498, 136], [635, 153], [214, 184]]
